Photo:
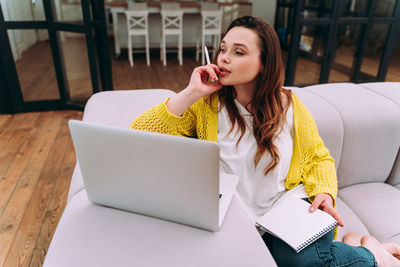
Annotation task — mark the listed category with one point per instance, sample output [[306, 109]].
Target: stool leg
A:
[[218, 42], [197, 47], [161, 52], [130, 50], [180, 50], [203, 43], [147, 50], [215, 45], [164, 51]]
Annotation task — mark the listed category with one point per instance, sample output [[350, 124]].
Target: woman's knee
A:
[[346, 255], [316, 254]]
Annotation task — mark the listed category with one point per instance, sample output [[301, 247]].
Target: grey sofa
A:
[[360, 124]]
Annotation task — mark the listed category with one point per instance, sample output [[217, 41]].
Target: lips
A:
[[223, 71]]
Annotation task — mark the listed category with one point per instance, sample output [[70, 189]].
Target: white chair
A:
[[211, 16], [137, 25], [171, 21]]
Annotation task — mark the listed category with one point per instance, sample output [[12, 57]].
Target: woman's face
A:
[[239, 59]]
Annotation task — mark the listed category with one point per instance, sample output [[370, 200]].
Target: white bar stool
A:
[[211, 16], [137, 25], [171, 21]]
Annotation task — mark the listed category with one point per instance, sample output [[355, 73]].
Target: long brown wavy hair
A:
[[270, 101]]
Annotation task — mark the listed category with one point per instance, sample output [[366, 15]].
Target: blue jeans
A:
[[323, 252]]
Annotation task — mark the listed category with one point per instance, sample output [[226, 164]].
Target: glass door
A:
[[338, 41], [54, 53]]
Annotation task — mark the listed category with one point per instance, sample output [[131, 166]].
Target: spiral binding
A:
[[316, 236]]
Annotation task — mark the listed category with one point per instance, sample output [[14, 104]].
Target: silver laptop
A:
[[163, 176]]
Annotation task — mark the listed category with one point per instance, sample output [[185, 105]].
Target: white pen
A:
[[208, 62], [207, 56]]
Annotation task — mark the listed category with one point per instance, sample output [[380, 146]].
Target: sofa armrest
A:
[[119, 108]]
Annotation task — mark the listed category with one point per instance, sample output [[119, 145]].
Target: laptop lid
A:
[[158, 175]]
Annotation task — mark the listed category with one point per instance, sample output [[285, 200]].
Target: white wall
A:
[[10, 35], [229, 13], [264, 9], [21, 10], [20, 40], [38, 14]]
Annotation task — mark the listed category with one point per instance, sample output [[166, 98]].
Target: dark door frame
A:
[[5, 98], [296, 21], [94, 28]]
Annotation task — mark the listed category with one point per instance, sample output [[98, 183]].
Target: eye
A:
[[223, 50], [239, 53]]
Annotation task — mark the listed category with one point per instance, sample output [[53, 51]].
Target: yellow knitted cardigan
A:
[[311, 162]]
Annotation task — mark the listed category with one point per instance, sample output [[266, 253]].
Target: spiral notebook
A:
[[291, 221]]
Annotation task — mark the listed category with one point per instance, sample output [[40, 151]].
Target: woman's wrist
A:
[[180, 102], [192, 94]]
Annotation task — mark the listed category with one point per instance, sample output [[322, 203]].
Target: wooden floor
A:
[[36, 164]]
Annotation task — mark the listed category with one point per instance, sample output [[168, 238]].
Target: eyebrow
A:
[[235, 44]]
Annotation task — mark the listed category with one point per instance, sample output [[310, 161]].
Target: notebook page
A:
[[291, 221]]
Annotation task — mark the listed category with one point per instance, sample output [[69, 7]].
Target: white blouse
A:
[[256, 191]]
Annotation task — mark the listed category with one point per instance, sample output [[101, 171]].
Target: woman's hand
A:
[[198, 87], [325, 202], [200, 84]]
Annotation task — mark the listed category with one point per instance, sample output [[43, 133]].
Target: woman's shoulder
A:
[[299, 108], [294, 99], [287, 97]]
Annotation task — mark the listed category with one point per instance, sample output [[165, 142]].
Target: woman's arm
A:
[[198, 87], [318, 172], [177, 115]]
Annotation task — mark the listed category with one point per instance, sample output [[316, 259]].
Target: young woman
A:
[[267, 137]]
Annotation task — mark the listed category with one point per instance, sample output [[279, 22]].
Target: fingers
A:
[[316, 203], [325, 202], [210, 70], [200, 81], [215, 68], [333, 212], [217, 86]]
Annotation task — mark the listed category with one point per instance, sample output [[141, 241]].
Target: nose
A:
[[225, 58]]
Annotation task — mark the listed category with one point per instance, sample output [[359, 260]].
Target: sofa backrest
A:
[[390, 90], [369, 129], [360, 124], [119, 108]]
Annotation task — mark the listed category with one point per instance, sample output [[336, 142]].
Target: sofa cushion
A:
[[394, 176], [378, 207], [390, 90], [351, 221], [77, 184], [371, 132], [93, 235]]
